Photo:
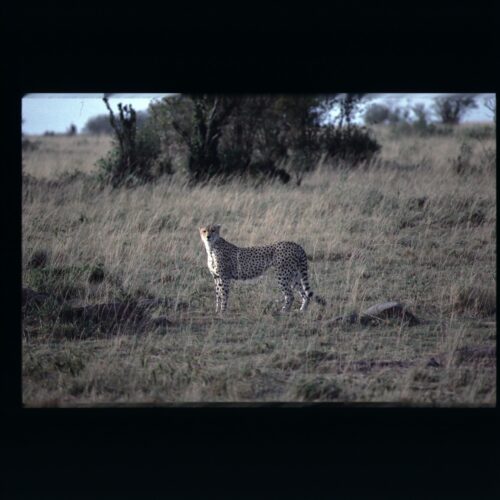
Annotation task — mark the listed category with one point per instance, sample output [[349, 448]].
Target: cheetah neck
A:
[[210, 247]]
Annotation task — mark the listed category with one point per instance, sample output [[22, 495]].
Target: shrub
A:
[[28, 145], [421, 123], [490, 103], [477, 300], [451, 109], [136, 156], [72, 130], [267, 169], [353, 144], [376, 114], [225, 136]]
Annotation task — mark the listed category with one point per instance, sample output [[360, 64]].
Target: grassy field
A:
[[418, 225]]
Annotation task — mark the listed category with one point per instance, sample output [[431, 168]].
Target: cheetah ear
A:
[[216, 227]]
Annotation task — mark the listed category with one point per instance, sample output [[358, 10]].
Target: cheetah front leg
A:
[[218, 287], [223, 294]]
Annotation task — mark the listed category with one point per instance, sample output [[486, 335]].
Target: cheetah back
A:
[[242, 263]]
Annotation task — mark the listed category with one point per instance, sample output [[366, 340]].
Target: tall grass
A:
[[54, 155], [405, 227]]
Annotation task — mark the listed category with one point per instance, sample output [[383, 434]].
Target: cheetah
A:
[[228, 262]]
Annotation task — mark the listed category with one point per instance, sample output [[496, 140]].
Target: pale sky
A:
[[56, 112]]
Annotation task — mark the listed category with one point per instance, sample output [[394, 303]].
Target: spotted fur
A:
[[228, 262]]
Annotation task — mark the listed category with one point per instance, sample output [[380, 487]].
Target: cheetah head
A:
[[210, 233]]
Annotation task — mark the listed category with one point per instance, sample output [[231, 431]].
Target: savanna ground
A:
[[417, 225]]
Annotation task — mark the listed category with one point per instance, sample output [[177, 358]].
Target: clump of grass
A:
[[96, 273], [38, 259], [316, 389], [479, 132], [475, 300]]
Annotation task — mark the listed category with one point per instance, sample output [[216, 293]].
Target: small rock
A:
[[388, 310], [346, 319], [434, 363]]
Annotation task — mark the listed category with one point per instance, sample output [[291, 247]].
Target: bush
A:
[[227, 136], [148, 163], [28, 145], [451, 109], [477, 300], [376, 114], [490, 103], [136, 156], [72, 130], [267, 169], [231, 166], [419, 124], [352, 144]]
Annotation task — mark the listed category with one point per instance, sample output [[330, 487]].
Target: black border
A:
[[381, 47]]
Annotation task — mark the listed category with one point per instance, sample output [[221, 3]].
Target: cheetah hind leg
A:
[[303, 294], [286, 290]]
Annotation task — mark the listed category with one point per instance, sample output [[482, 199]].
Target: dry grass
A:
[[408, 228], [54, 155]]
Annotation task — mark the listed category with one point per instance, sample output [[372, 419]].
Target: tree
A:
[[239, 135], [491, 104], [421, 117], [72, 130], [376, 114], [348, 106], [451, 109], [202, 130], [135, 153], [252, 135], [100, 124]]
